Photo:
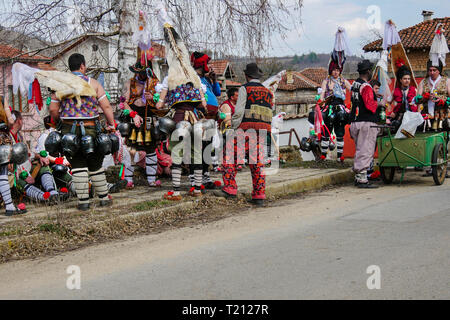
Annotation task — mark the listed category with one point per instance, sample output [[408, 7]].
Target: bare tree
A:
[[226, 27]]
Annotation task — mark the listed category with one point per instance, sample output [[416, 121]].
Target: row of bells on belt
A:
[[138, 137]]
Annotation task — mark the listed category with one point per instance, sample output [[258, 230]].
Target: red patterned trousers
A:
[[234, 153]]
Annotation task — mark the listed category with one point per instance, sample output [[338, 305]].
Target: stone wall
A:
[[296, 102]]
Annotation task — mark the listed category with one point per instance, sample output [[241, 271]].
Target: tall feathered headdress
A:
[[439, 47], [340, 51], [180, 69]]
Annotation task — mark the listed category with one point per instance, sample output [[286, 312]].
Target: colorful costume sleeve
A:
[[369, 100]]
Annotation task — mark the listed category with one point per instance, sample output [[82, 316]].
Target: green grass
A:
[[148, 205], [54, 228], [12, 232]]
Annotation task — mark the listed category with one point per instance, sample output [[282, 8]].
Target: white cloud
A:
[[356, 27]]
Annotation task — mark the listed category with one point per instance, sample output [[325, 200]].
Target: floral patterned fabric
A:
[[183, 93], [255, 157], [87, 110]]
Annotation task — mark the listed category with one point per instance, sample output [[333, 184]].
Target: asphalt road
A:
[[314, 248]]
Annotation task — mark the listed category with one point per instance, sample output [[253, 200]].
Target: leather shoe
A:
[[366, 185], [257, 202]]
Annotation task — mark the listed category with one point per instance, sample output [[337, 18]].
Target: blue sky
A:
[[320, 19]]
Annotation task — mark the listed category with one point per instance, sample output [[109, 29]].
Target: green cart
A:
[[424, 150]]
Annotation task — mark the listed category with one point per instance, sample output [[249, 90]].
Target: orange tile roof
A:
[[300, 82], [315, 74], [10, 52], [219, 66], [160, 50], [46, 67], [419, 36]]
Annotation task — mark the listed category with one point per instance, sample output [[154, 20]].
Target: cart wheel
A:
[[439, 171], [387, 174]]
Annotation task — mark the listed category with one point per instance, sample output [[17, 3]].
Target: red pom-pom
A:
[[441, 103], [342, 158], [426, 96], [21, 206], [59, 161], [170, 193], [64, 190], [133, 114], [47, 195], [322, 157], [202, 187], [192, 189], [217, 183], [375, 175], [399, 63]]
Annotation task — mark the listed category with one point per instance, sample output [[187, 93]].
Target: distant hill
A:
[[273, 65]]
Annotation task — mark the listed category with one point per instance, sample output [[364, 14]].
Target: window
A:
[[17, 102]]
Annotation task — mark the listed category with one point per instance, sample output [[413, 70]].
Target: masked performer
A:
[[140, 105], [334, 113], [6, 151], [182, 91], [434, 90], [200, 62], [83, 142]]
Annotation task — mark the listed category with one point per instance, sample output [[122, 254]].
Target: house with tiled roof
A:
[[225, 74], [417, 41], [296, 91]]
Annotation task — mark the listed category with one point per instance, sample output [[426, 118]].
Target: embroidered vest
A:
[[441, 88], [149, 88], [360, 113], [258, 109], [87, 110]]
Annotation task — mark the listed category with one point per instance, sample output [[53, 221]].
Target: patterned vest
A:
[[441, 88], [258, 109], [87, 110], [360, 113], [149, 88]]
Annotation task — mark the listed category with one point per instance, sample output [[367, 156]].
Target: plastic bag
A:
[[411, 120]]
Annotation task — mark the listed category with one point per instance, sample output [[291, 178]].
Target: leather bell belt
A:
[[87, 123]]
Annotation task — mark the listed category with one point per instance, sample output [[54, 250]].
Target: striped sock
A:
[[129, 174], [151, 166], [81, 183], [176, 177], [98, 179], [340, 146], [34, 193], [5, 190], [324, 145], [198, 177], [48, 183], [207, 178]]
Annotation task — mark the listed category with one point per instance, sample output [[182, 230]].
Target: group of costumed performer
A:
[[434, 90], [334, 114], [138, 103]]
